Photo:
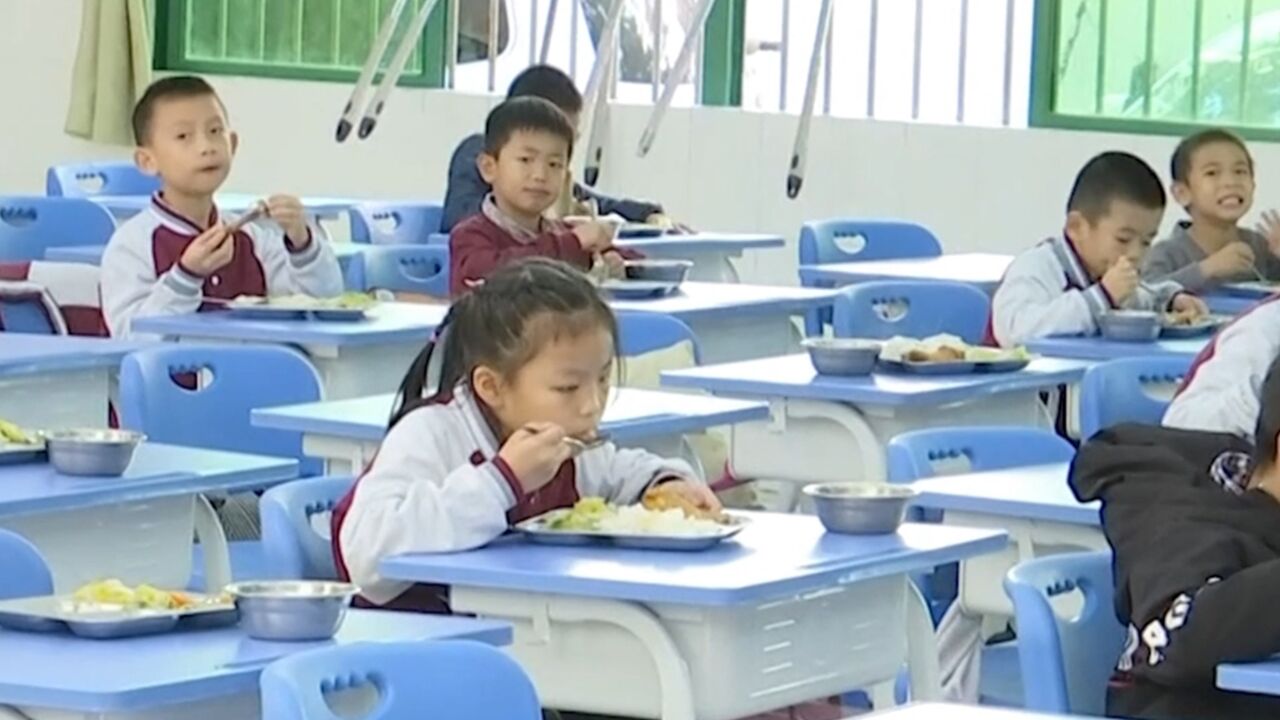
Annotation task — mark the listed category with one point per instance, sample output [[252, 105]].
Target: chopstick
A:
[[258, 210]]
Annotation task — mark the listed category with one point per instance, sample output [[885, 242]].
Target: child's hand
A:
[[289, 214], [1188, 306], [614, 261], [211, 251], [1233, 259], [535, 453], [594, 237], [1270, 226], [696, 494], [1120, 281]]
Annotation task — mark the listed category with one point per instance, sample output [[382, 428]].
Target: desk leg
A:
[[922, 649], [217, 556], [809, 441]]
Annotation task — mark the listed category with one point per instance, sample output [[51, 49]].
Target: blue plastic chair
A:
[[911, 308], [449, 680], [1066, 663], [395, 223], [1121, 391], [921, 454], [292, 546], [641, 332], [31, 225], [408, 268], [78, 180], [23, 571], [217, 414]]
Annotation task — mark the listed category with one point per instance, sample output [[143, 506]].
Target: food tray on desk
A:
[[1205, 326], [16, 453], [638, 289], [956, 367], [285, 312], [59, 614], [536, 530]]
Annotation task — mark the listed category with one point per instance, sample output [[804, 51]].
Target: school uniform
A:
[[1178, 258], [438, 484], [1047, 291], [1197, 565], [142, 274], [485, 242], [467, 189], [1222, 389]]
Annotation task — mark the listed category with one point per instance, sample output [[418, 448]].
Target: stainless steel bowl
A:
[[92, 452], [1130, 325], [658, 270], [292, 610], [843, 356], [860, 508]]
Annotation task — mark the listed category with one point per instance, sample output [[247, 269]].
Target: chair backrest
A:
[[407, 223], [848, 240], [295, 527], [1129, 390], [78, 180], [23, 572], [51, 298], [31, 225], [921, 454], [911, 308], [202, 395], [1066, 662], [447, 680], [408, 268]]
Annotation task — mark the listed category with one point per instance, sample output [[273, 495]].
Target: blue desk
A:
[[139, 526], [710, 252], [783, 591], [350, 257], [835, 429], [1099, 348], [188, 675], [1033, 504], [354, 359], [1262, 678], [346, 433], [1221, 303], [126, 206], [982, 270], [58, 381]]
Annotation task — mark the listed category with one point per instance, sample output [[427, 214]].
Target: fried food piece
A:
[[663, 498]]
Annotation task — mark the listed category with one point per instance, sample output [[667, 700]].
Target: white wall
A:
[[979, 189]]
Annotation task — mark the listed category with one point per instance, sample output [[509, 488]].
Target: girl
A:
[[527, 362]]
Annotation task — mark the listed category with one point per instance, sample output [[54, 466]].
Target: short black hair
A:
[[1113, 176], [1264, 435], [550, 84], [1180, 164], [170, 88], [524, 113]]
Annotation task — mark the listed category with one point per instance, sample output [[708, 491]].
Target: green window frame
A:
[[176, 49], [1168, 67]]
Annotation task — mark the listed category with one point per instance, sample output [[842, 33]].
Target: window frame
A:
[[722, 58], [1044, 43]]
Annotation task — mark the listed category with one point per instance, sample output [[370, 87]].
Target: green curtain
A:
[[113, 68]]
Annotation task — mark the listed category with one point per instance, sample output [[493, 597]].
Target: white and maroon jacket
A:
[[1221, 391], [438, 485], [67, 293], [141, 275], [1047, 291]]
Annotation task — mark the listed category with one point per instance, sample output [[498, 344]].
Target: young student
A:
[[1222, 389], [1065, 284], [180, 253], [528, 142], [1213, 179], [467, 186], [524, 361], [1194, 521]]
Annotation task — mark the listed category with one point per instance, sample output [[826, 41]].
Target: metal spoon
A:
[[580, 446]]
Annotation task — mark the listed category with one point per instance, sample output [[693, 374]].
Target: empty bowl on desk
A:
[[860, 508], [843, 356], [92, 452], [658, 270], [1130, 325], [292, 610]]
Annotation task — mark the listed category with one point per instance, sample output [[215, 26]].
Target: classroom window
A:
[[1158, 65]]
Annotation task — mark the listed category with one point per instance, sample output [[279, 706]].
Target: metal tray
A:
[[638, 289], [13, 453], [1002, 366], [1207, 326], [53, 614], [534, 529], [906, 367], [640, 230], [277, 312]]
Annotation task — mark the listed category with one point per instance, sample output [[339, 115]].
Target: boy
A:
[[179, 253], [1065, 284], [1194, 521], [528, 142], [1213, 179], [467, 188]]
